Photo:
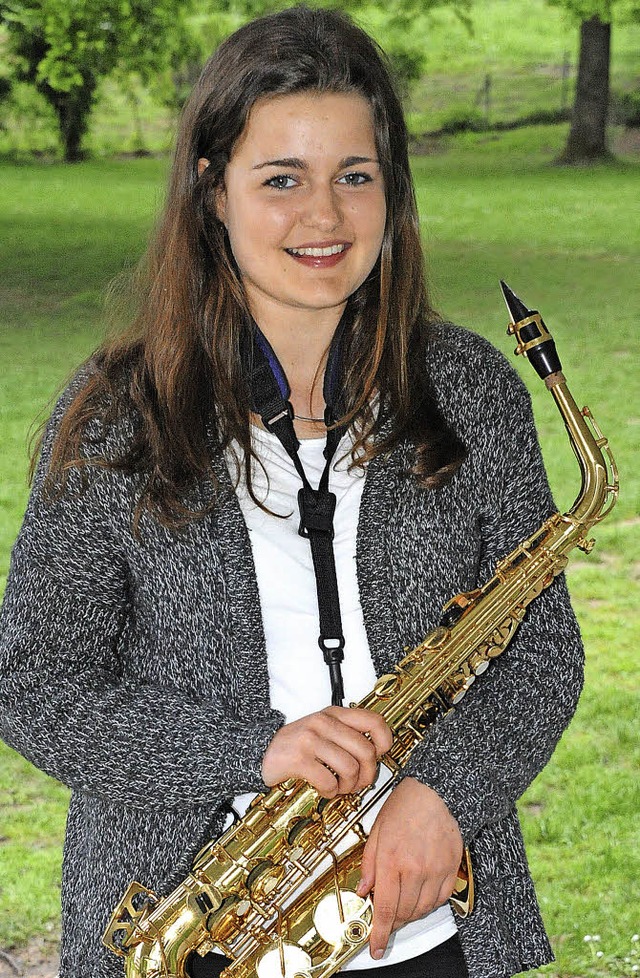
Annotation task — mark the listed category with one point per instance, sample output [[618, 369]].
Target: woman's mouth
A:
[[320, 256]]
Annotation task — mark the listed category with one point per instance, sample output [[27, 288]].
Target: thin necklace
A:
[[301, 417]]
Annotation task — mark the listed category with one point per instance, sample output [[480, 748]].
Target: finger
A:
[[409, 907], [331, 732], [434, 893], [296, 747], [385, 903], [320, 777], [342, 764], [446, 889], [368, 863], [427, 900], [365, 721]]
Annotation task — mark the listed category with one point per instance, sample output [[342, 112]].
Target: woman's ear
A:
[[220, 199]]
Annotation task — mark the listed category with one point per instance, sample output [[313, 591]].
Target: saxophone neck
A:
[[599, 489]]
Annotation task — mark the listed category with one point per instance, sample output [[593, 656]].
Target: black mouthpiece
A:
[[516, 307], [542, 354]]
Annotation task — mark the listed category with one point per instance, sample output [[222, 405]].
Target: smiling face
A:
[[304, 205]]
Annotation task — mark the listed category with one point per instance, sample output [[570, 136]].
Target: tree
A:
[[587, 140], [64, 48]]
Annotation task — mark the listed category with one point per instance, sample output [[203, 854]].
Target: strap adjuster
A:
[[282, 412], [332, 648], [317, 507]]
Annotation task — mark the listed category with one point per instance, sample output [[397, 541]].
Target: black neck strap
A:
[[270, 393]]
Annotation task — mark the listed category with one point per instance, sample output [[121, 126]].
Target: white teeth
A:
[[318, 252]]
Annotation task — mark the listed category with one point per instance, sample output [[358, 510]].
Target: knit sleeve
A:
[[66, 702], [486, 752]]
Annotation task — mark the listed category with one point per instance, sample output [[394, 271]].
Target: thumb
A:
[[368, 864]]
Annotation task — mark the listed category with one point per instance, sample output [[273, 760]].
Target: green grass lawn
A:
[[568, 241]]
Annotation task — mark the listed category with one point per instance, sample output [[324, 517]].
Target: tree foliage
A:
[[608, 11], [391, 22], [64, 47]]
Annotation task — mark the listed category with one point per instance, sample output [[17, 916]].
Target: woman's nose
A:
[[323, 208]]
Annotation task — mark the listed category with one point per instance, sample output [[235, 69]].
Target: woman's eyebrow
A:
[[296, 164], [355, 161]]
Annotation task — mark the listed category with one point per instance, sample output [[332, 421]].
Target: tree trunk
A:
[[72, 110], [587, 140]]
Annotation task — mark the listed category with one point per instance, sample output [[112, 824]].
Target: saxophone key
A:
[[284, 960], [421, 718], [386, 685], [343, 915], [333, 811], [356, 932], [222, 923], [127, 918], [207, 900], [263, 878], [457, 686], [435, 639], [303, 830], [478, 663]]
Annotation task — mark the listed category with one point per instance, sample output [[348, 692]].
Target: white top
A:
[[298, 675]]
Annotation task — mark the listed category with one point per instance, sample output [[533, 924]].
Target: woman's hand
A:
[[411, 858], [329, 749]]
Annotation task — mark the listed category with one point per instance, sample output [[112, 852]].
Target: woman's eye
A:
[[280, 182], [356, 179]]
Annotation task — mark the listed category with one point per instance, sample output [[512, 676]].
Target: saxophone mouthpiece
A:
[[534, 339], [515, 306]]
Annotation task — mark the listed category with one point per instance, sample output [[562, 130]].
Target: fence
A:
[[499, 98]]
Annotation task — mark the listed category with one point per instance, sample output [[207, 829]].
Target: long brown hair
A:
[[178, 369]]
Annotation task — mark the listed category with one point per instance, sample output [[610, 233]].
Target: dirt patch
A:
[[534, 808], [633, 520], [39, 959], [427, 145], [627, 142]]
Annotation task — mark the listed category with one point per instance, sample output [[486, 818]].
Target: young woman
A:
[[159, 645]]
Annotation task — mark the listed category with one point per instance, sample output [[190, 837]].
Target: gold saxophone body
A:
[[276, 892]]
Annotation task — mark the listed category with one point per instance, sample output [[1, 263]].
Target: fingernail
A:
[[376, 955]]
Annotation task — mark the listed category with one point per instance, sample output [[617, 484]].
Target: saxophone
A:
[[276, 892]]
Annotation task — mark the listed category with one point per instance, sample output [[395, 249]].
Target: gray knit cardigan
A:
[[134, 670]]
